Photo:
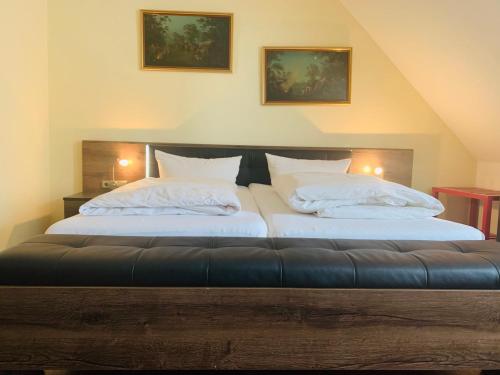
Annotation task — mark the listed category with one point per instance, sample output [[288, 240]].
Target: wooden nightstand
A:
[[73, 202], [486, 196], [498, 229]]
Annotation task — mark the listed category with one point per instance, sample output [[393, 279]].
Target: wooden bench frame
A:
[[115, 328]]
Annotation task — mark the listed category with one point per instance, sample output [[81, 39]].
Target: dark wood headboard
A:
[[99, 156]]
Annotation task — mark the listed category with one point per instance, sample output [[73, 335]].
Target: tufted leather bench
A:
[[71, 260]]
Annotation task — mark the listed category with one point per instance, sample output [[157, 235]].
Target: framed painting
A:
[[293, 75], [186, 40]]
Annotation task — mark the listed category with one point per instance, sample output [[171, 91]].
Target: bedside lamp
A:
[[114, 183], [377, 171], [124, 162]]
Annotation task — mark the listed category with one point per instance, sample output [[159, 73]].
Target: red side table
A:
[[475, 194]]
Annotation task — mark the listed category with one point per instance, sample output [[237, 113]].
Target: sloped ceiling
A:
[[450, 51]]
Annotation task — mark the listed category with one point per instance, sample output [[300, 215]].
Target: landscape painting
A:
[[187, 40], [306, 75]]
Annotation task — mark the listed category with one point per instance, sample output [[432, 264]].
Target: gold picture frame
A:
[[186, 41], [284, 71]]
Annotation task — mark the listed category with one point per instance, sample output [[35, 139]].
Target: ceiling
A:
[[449, 50]]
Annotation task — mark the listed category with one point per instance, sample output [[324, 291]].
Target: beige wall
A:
[[24, 156], [98, 91], [449, 50]]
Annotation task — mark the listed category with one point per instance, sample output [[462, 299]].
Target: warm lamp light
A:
[[114, 183], [373, 171], [367, 169], [124, 162], [379, 171]]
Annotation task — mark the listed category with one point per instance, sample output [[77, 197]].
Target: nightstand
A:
[[486, 196], [73, 202]]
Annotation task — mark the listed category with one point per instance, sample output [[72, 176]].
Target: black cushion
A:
[[71, 260]]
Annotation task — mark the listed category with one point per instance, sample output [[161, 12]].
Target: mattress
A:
[[246, 223], [282, 221]]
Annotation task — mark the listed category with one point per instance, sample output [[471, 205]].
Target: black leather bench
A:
[[70, 260]]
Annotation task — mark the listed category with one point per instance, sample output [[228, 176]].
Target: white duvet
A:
[[167, 196], [351, 196]]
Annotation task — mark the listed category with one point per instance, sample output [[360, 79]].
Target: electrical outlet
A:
[[111, 184]]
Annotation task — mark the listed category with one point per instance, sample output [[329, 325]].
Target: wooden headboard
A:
[[99, 156]]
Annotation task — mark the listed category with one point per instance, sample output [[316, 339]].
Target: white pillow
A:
[[178, 166], [279, 165]]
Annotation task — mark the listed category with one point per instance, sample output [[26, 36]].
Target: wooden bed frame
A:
[[98, 158], [247, 329], [110, 328]]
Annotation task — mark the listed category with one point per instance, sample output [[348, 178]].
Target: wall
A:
[[24, 156], [449, 51], [99, 92]]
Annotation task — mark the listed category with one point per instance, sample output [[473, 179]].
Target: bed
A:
[[264, 213], [282, 221], [97, 302], [180, 303], [246, 223]]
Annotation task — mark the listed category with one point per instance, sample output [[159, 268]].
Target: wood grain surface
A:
[[247, 329], [98, 158]]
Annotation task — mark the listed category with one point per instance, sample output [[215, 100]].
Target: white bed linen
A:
[[246, 223], [354, 196], [282, 221], [279, 165], [170, 165], [167, 196]]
